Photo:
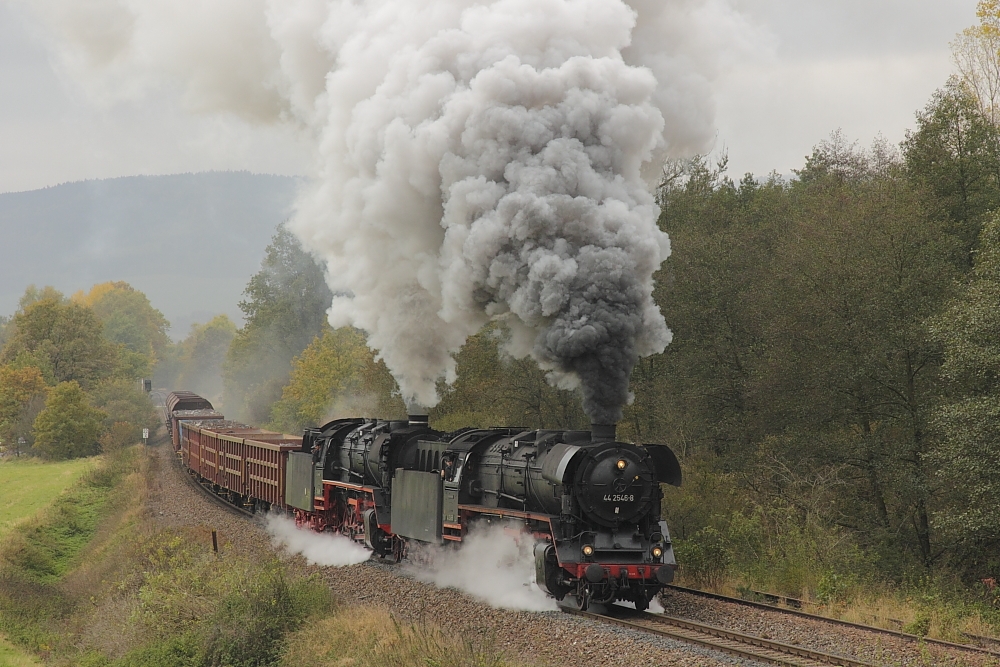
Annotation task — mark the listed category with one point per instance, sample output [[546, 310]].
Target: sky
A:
[[863, 66]]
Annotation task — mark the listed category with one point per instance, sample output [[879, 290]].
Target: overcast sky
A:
[[864, 66]]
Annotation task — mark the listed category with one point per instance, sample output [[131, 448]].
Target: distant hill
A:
[[189, 241]]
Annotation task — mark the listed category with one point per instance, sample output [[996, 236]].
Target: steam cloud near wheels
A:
[[474, 160]]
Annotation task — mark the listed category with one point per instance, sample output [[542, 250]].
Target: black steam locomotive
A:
[[591, 502]]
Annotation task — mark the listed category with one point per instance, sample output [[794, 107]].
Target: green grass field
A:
[[27, 485], [12, 657]]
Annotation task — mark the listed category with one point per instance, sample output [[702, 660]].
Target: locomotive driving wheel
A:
[[398, 548], [583, 595]]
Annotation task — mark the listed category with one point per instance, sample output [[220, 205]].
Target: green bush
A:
[[177, 651], [249, 627], [703, 558]]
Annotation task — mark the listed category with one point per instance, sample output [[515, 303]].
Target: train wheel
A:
[[398, 548], [583, 598]]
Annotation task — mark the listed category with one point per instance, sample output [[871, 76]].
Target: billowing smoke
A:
[[318, 548], [492, 566], [475, 159]]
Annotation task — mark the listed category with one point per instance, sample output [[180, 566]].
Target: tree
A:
[[494, 389], [868, 266], [954, 157], [20, 390], [197, 361], [128, 318], [68, 427], [33, 294], [337, 375], [976, 52], [969, 424], [285, 309], [127, 409], [800, 347], [5, 330], [63, 337]]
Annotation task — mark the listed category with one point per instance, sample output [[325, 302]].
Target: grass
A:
[[11, 656], [28, 484], [370, 637], [936, 609]]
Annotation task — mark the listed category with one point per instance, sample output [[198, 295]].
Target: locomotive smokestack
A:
[[417, 414], [600, 432]]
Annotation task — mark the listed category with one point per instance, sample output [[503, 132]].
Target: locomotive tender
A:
[[590, 502]]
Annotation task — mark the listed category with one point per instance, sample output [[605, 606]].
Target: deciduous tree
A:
[[285, 309], [68, 427], [976, 52], [200, 356], [19, 389], [124, 406], [954, 158], [336, 375], [128, 318], [969, 424], [64, 337]]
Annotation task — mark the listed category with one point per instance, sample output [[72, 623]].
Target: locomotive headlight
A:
[[657, 552], [622, 463], [588, 549]]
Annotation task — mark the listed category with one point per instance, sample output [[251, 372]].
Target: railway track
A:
[[836, 621], [738, 644]]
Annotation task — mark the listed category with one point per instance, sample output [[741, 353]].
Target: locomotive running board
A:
[[504, 512]]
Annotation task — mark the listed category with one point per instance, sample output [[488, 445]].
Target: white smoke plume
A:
[[492, 566], [317, 548], [476, 159]]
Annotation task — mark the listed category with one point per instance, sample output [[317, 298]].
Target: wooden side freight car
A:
[[186, 405], [244, 463]]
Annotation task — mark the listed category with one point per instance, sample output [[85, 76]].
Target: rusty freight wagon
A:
[[244, 463], [186, 405]]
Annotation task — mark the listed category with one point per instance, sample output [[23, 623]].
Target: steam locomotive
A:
[[590, 502]]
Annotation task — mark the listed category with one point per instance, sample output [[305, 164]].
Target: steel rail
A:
[[725, 641], [834, 621]]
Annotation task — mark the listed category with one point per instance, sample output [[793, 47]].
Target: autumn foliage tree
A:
[[20, 388], [976, 52], [129, 320], [64, 339], [336, 375]]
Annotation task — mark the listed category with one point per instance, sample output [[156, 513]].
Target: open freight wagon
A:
[[246, 463]]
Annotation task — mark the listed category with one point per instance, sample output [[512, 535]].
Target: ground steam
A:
[[475, 159], [318, 548], [492, 566]]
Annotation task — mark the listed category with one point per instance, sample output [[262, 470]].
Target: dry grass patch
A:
[[372, 637]]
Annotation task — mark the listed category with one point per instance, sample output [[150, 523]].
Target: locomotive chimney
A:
[[600, 432], [417, 414]]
